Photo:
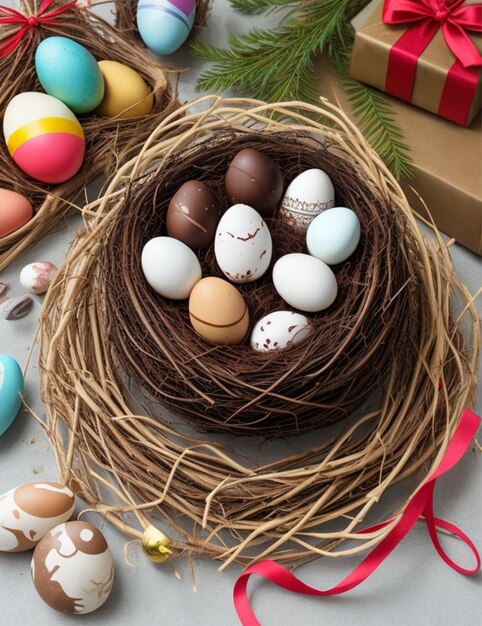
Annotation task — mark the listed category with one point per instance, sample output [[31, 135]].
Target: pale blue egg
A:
[[11, 384], [164, 25], [69, 72], [333, 235]]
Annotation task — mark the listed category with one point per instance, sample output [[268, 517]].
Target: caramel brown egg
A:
[[192, 215], [253, 178], [218, 311]]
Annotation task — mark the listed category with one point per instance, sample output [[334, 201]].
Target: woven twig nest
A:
[[108, 141], [392, 326]]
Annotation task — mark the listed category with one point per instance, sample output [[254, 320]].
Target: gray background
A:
[[412, 587]]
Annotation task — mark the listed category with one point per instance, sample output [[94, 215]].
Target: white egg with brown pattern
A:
[[29, 511], [242, 244], [72, 568], [279, 330]]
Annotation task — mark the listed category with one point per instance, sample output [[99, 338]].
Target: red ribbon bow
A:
[[425, 18], [29, 23]]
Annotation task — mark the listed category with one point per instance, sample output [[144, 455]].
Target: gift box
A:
[[446, 164], [426, 52]]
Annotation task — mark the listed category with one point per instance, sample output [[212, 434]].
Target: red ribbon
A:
[[425, 18], [420, 504], [29, 23]]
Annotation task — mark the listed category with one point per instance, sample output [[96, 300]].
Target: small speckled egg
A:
[[69, 72], [308, 194], [43, 137], [279, 330], [11, 385], [164, 25], [304, 282], [171, 268], [333, 236], [72, 568], [28, 512], [192, 214], [36, 277], [126, 94], [15, 211], [242, 244], [218, 311]]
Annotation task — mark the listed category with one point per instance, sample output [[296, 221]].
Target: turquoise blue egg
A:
[[11, 384], [68, 71], [164, 25], [333, 235]]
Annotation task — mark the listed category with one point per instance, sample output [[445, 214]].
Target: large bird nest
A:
[[393, 329], [108, 141]]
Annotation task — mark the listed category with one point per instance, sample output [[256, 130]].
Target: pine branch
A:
[[377, 121], [276, 65], [256, 7]]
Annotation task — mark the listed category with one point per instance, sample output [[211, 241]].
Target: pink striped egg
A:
[[43, 137]]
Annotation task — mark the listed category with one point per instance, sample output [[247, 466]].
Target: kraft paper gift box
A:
[[447, 162]]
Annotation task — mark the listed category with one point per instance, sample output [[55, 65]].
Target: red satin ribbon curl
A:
[[424, 19], [420, 504], [29, 23]]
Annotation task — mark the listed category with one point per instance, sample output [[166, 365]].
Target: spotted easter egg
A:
[[43, 137], [164, 25], [69, 72], [72, 568], [29, 511], [242, 244], [279, 330]]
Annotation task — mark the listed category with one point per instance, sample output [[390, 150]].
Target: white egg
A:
[[242, 244], [307, 196], [279, 330], [333, 235], [304, 282], [36, 277], [171, 268], [29, 511], [72, 568]]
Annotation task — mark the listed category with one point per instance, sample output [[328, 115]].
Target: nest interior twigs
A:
[[108, 141], [218, 504]]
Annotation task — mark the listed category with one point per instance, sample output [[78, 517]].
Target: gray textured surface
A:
[[412, 587]]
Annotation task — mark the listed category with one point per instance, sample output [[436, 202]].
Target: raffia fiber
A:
[[108, 141], [215, 502]]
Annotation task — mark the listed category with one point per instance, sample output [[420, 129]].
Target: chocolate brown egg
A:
[[192, 215], [253, 178], [218, 311]]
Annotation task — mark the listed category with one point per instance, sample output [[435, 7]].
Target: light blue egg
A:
[[68, 71], [11, 384], [333, 235], [165, 25]]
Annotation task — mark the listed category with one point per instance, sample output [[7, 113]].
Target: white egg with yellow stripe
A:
[[43, 137]]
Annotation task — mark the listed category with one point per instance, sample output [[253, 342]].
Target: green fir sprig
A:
[[276, 65]]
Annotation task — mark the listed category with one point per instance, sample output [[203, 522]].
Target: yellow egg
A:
[[126, 93]]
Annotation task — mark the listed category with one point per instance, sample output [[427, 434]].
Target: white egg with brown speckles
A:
[[279, 330], [242, 244]]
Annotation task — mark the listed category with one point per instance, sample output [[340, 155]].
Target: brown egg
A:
[[254, 179], [15, 211], [193, 214], [218, 311]]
